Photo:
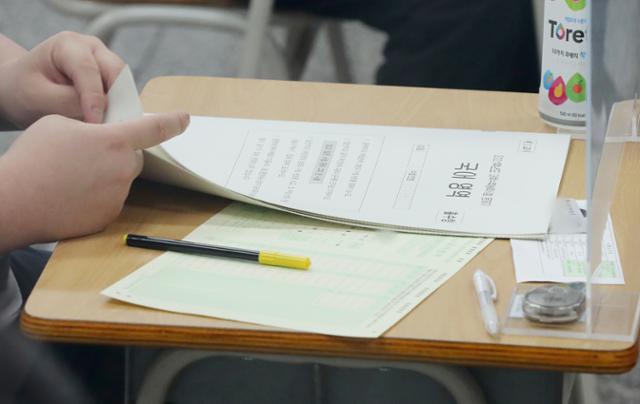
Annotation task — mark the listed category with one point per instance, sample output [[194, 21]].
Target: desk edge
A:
[[514, 356]]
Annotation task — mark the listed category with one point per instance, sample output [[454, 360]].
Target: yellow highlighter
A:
[[188, 247]]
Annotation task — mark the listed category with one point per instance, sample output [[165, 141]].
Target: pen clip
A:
[[490, 284]]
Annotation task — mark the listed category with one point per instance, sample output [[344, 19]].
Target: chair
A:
[[250, 18], [458, 382]]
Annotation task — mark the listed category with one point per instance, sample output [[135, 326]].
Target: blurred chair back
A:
[[250, 18]]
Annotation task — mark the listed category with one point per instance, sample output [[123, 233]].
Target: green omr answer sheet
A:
[[361, 281]]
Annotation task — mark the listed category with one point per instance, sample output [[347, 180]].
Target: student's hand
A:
[[68, 74], [63, 178]]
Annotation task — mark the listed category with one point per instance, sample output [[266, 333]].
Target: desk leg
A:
[[458, 382]]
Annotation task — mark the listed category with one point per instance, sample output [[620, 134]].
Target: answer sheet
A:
[[413, 179], [361, 281]]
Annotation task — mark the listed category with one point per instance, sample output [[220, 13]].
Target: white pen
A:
[[487, 294]]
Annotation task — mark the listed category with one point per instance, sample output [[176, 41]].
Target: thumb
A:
[[151, 130]]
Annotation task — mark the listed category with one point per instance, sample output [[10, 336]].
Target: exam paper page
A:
[[361, 281], [458, 181]]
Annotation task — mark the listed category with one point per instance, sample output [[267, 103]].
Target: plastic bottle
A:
[[562, 98]]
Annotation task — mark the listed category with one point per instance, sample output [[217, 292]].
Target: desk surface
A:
[[446, 327]]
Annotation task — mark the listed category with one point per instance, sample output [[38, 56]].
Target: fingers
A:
[[66, 101], [109, 63], [75, 60], [90, 66], [151, 130]]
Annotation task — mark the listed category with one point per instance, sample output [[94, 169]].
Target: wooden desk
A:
[[446, 327]]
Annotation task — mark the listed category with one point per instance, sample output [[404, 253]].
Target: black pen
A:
[[188, 247]]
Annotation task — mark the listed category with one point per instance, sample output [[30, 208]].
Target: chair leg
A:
[[572, 392], [258, 17], [339, 52], [588, 384], [459, 383], [164, 369], [300, 40]]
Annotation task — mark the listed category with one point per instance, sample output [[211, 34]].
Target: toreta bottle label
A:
[[562, 99]]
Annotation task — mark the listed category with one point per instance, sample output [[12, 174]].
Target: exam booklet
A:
[[423, 180]]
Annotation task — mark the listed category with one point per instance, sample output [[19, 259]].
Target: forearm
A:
[[9, 50]]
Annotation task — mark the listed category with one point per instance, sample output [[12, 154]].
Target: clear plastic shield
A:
[[609, 312], [612, 123]]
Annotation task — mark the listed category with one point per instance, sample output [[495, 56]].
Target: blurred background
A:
[[173, 50], [165, 49]]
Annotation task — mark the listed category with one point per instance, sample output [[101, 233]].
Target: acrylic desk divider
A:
[[613, 116], [610, 312]]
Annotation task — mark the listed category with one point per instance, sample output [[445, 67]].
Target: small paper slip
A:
[[562, 258], [360, 283]]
